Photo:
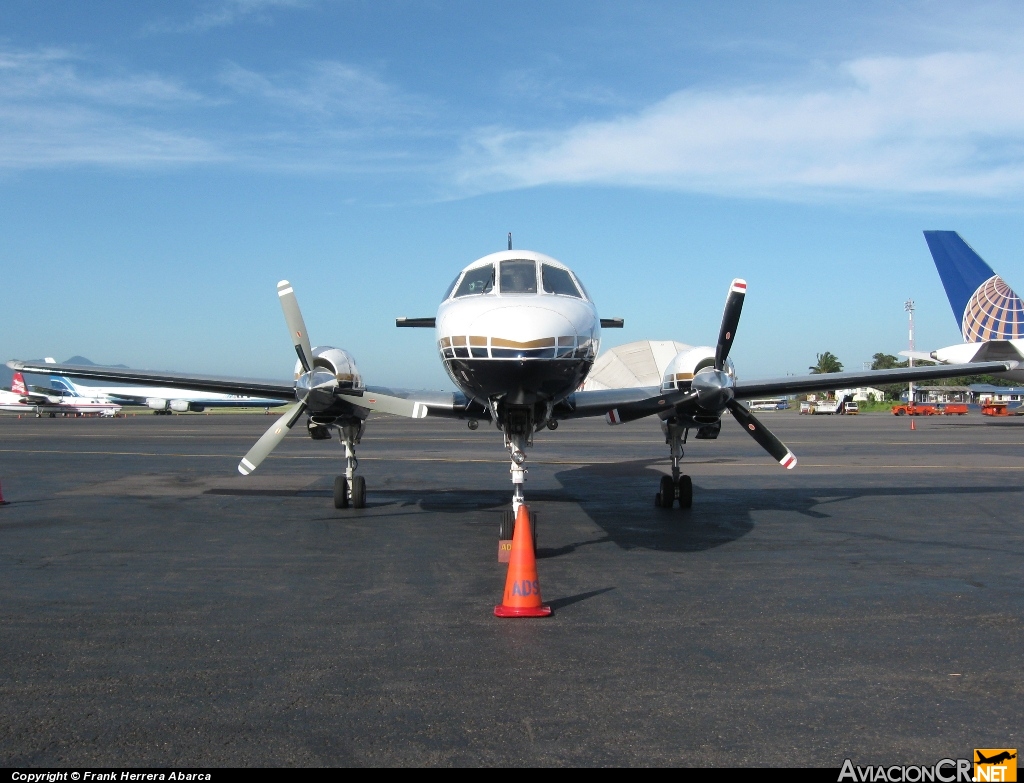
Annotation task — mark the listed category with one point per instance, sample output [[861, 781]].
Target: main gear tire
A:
[[358, 492], [666, 493], [685, 492], [340, 492]]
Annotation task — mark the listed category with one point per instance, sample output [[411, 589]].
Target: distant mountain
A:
[[82, 360], [7, 374]]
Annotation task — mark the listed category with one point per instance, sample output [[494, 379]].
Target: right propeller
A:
[[715, 389]]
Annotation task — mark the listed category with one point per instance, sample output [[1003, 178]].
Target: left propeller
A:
[[296, 326], [300, 339]]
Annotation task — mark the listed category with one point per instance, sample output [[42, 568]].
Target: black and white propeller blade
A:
[[270, 439], [730, 320], [296, 326], [763, 435]]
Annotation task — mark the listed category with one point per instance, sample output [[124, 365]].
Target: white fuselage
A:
[[527, 334], [164, 398], [981, 351]]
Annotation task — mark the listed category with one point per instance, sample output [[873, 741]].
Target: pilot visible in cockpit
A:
[[518, 277]]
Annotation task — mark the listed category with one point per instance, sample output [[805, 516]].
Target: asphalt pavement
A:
[[159, 609]]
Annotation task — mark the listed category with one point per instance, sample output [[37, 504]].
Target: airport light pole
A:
[[909, 307]]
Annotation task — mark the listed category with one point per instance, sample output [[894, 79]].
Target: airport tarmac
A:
[[159, 609]]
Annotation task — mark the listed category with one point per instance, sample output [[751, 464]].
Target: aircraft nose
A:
[[523, 324]]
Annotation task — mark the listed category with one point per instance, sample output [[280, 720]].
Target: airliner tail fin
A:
[[985, 307]]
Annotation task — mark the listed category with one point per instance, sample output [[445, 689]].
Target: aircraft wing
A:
[[277, 390], [793, 384], [627, 404], [400, 402]]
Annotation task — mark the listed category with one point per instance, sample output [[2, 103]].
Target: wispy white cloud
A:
[[327, 89], [945, 123], [59, 108], [222, 13], [54, 111]]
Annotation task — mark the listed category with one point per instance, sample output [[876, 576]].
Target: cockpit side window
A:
[[451, 288], [558, 281], [479, 280], [518, 277]]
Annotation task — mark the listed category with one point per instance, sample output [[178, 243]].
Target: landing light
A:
[[518, 457]]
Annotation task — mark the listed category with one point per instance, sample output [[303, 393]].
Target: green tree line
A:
[[828, 362]]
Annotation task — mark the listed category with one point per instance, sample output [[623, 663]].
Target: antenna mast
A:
[[509, 240], [909, 307]]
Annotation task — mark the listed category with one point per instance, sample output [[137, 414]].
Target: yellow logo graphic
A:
[[995, 764]]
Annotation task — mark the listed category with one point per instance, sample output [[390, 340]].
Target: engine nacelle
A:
[[178, 406], [680, 371], [338, 363]]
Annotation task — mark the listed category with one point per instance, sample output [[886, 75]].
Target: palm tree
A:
[[827, 362]]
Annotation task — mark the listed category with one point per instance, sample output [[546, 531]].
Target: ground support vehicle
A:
[[995, 409], [915, 409], [953, 409]]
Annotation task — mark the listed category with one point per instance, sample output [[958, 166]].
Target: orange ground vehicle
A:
[[917, 409], [953, 409], [995, 409]]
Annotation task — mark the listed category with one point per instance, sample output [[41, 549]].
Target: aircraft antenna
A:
[[509, 240]]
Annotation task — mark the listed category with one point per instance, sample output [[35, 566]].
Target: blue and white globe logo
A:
[[994, 312]]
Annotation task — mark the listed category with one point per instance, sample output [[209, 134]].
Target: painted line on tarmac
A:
[[654, 463]]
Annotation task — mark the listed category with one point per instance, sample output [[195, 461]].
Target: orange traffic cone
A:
[[522, 589], [913, 424], [2, 501]]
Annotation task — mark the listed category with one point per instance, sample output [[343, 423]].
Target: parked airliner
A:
[[161, 399], [517, 333]]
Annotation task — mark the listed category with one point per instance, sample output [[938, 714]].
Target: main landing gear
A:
[[350, 489], [678, 486]]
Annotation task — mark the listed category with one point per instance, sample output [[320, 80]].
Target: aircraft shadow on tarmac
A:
[[619, 498]]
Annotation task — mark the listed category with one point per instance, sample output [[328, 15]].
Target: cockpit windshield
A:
[[558, 281], [448, 291], [518, 277], [479, 280]]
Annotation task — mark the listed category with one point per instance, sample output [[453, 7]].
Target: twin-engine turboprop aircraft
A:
[[517, 333]]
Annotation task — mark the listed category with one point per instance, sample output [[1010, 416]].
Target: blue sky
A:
[[163, 165]]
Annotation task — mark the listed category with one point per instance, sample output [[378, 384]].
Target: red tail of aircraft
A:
[[18, 384]]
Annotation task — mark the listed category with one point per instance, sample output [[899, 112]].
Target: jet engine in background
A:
[[173, 406]]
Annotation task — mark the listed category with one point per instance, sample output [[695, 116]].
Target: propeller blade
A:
[[296, 326], [384, 403], [270, 439], [763, 435], [730, 320]]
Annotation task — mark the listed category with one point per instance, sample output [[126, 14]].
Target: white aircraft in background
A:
[[160, 399], [517, 333], [21, 399], [990, 315]]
